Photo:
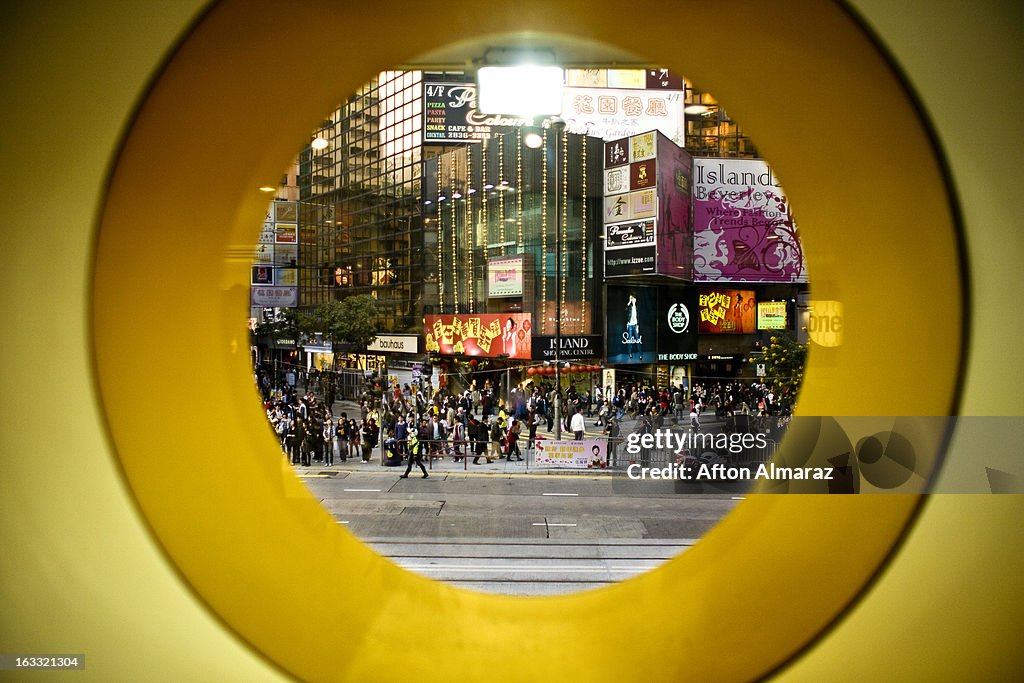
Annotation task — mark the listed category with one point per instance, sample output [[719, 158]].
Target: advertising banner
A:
[[505, 277], [394, 343], [262, 275], [631, 261], [743, 227], [264, 253], [632, 323], [274, 297], [616, 153], [484, 334], [286, 212], [726, 311], [642, 174], [771, 315], [643, 146], [616, 180], [631, 234], [675, 233], [450, 116], [286, 233], [586, 454], [614, 113], [643, 203], [677, 324], [286, 277], [617, 208]]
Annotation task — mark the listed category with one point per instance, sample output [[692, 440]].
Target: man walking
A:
[[414, 455]]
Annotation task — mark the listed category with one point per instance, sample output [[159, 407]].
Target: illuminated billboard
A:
[[743, 229], [726, 311], [771, 315], [632, 325], [647, 188], [479, 334], [505, 277]]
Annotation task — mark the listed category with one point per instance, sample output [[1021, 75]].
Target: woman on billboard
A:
[[508, 337]]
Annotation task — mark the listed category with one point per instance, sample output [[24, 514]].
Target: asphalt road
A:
[[502, 529]]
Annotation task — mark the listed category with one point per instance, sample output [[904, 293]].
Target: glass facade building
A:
[[365, 227], [530, 198], [362, 231]]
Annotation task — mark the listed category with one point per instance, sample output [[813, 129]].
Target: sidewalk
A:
[[446, 465]]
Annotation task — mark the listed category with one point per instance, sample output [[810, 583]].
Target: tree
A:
[[352, 320], [291, 323], [784, 361]]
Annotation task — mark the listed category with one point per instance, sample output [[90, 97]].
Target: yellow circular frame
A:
[[172, 355]]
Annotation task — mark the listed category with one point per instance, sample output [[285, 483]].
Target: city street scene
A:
[[477, 328]]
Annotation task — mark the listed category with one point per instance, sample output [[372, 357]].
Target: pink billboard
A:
[[675, 244], [743, 229]]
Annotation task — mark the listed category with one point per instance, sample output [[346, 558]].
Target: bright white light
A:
[[696, 109], [533, 140], [318, 143], [520, 90]]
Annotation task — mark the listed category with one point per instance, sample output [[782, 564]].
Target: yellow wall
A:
[[79, 570]]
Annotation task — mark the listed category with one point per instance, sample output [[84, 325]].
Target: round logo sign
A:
[[678, 318]]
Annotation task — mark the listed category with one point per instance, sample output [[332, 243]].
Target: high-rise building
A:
[[448, 217]]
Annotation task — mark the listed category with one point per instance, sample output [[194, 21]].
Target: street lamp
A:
[[558, 126], [508, 386]]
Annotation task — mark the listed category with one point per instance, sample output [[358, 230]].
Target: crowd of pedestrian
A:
[[413, 423]]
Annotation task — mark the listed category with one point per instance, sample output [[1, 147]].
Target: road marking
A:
[[560, 494], [364, 490], [552, 524], [520, 568]]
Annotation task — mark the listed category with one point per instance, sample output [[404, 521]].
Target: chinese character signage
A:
[[616, 180], [642, 147], [612, 114], [484, 334], [771, 315], [616, 153], [586, 454], [617, 208], [274, 297], [726, 311], [743, 228], [656, 184]]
